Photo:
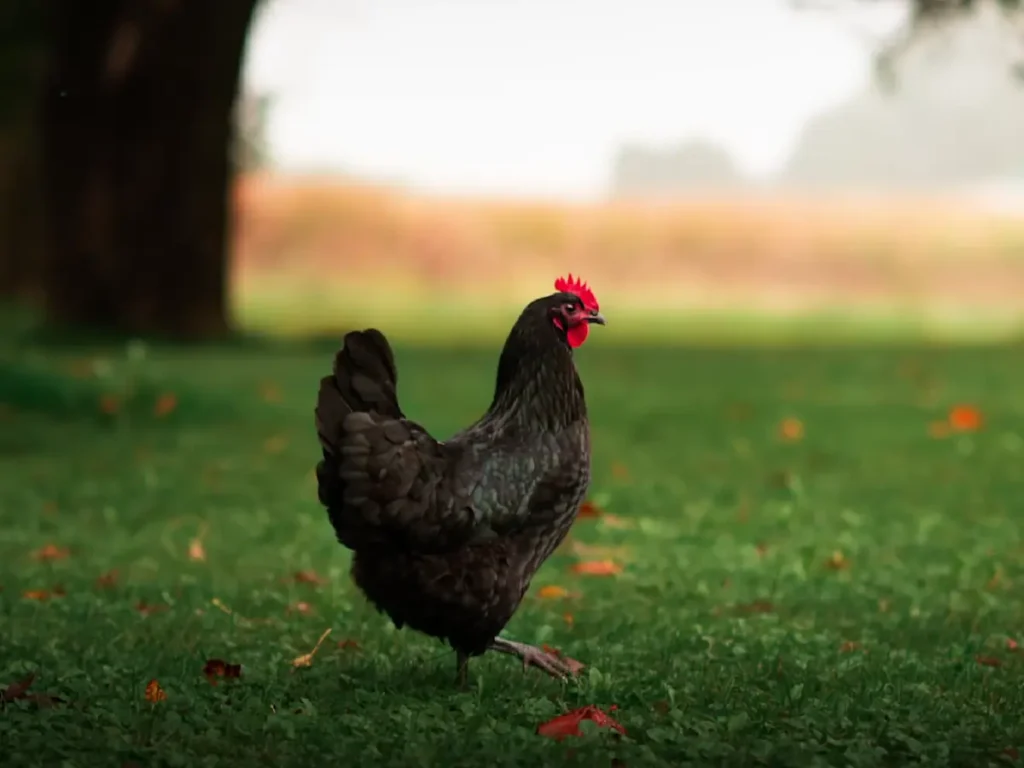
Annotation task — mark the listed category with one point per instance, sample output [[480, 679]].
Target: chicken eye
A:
[[570, 307]]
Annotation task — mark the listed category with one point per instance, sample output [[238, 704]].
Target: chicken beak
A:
[[596, 317]]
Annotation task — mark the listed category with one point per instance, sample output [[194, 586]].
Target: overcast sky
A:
[[532, 97]]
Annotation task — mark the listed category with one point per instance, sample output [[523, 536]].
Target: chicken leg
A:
[[536, 657]]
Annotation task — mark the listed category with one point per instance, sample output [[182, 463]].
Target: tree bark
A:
[[137, 132]]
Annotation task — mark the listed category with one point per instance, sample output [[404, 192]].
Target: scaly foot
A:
[[532, 656]]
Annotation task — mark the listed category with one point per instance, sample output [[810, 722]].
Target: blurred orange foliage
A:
[[780, 252]]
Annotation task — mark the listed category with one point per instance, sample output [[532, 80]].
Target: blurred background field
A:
[[315, 255]]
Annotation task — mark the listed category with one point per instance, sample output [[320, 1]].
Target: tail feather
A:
[[364, 379]]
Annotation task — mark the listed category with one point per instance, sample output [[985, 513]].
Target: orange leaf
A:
[[965, 418], [837, 561], [569, 724], [300, 607], [597, 568], [218, 668], [568, 619], [51, 552], [574, 666], [308, 577], [988, 661], [270, 392], [791, 429], [552, 592], [589, 509], [306, 659], [348, 644], [154, 692], [196, 550], [106, 580], [849, 646], [165, 405], [145, 609], [620, 471], [37, 594]]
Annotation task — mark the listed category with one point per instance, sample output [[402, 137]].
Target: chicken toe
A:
[[532, 656]]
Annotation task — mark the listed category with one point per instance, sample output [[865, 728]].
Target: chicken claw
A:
[[532, 656]]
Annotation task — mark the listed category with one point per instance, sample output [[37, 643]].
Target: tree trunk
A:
[[137, 134]]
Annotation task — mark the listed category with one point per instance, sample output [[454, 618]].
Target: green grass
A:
[[721, 643]]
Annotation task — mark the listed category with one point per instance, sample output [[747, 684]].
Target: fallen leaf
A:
[[597, 568], [49, 508], [996, 580], [837, 561], [196, 550], [761, 548], [568, 724], [51, 552], [965, 418], [620, 471], [552, 592], [165, 405], [568, 619], [308, 577], [41, 594], [348, 644], [275, 444], [757, 606], [1012, 752], [614, 521], [300, 607], [215, 669], [662, 707], [270, 392], [589, 509], [146, 609], [938, 429], [154, 692], [19, 691], [107, 580], [306, 659], [988, 661], [791, 429], [574, 666], [849, 646], [110, 404]]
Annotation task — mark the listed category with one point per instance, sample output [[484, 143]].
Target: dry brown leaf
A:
[[589, 509], [988, 661], [216, 669], [620, 471], [196, 550], [569, 619], [154, 692], [270, 392], [791, 429], [552, 592], [146, 609], [849, 646], [275, 444], [165, 405], [301, 607], [107, 580], [597, 568], [43, 594], [614, 521], [837, 561], [19, 691], [308, 577], [110, 404], [965, 418], [51, 552], [938, 429], [343, 645], [306, 659], [574, 666]]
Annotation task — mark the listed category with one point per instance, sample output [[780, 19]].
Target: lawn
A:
[[817, 567]]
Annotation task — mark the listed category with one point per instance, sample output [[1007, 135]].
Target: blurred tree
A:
[[137, 125], [22, 63]]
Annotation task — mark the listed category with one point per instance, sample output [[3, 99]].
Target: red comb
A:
[[577, 286]]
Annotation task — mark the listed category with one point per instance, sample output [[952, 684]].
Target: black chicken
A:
[[447, 535]]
